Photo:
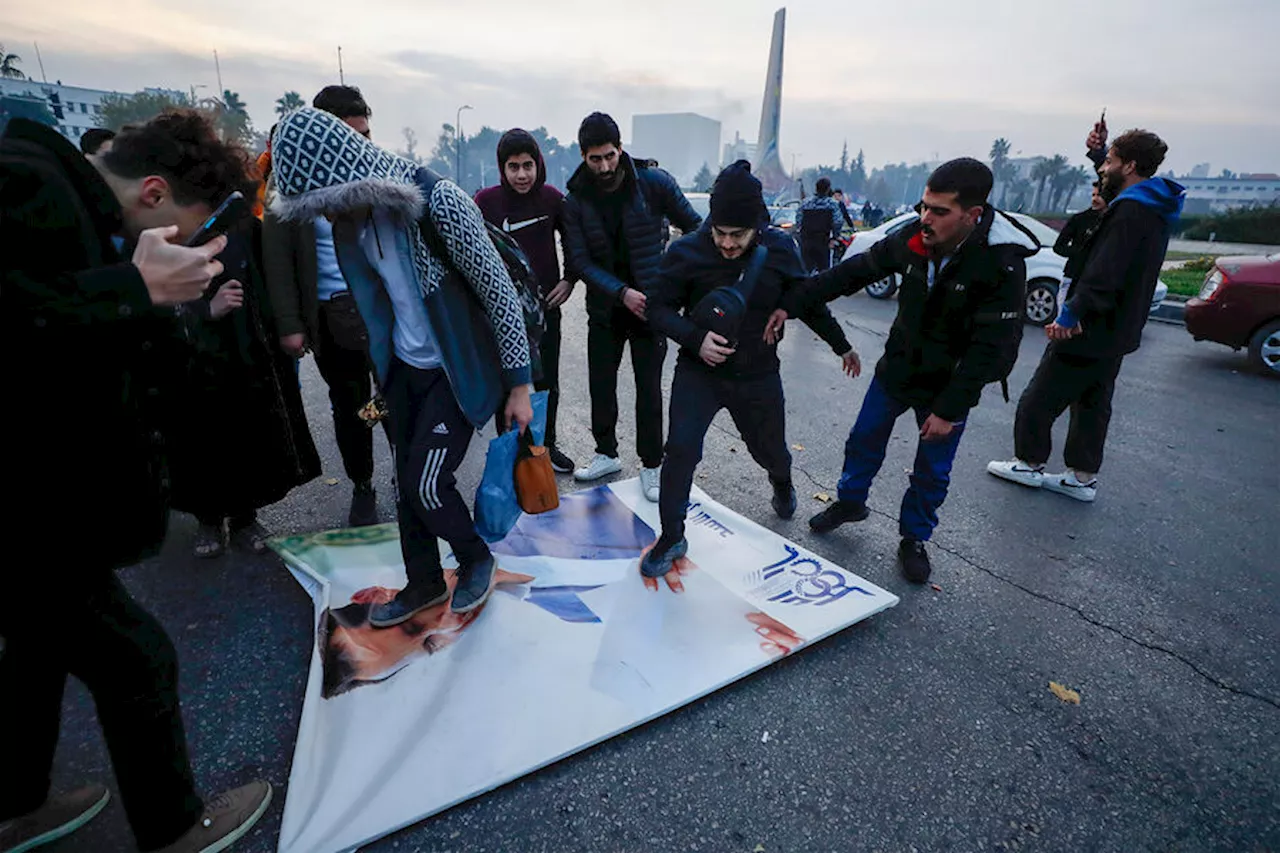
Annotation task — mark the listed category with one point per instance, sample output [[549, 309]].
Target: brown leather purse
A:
[[536, 489]]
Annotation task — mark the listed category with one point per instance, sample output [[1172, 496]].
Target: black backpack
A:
[[518, 268], [723, 309]]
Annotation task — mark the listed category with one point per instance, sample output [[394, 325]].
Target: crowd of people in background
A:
[[164, 375]]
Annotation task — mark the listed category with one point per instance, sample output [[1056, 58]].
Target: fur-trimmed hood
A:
[[322, 166]]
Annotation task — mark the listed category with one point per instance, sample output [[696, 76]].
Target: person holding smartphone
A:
[[93, 269]]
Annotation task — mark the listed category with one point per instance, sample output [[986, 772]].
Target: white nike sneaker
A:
[[1017, 471], [1067, 484], [650, 478], [600, 466]]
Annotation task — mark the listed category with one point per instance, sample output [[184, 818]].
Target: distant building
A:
[[1215, 195], [682, 143], [738, 149], [1201, 170], [75, 109]]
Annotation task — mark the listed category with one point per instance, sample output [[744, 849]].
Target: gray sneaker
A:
[[408, 602], [226, 819], [475, 582], [57, 818]]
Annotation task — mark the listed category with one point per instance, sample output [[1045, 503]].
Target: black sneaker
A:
[[914, 560], [661, 558], [840, 512], [408, 601], [475, 582], [560, 463], [364, 506], [784, 499]]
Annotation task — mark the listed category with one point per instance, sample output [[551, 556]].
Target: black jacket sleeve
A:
[[1115, 248], [568, 273], [996, 332], [676, 207], [1066, 243], [578, 256], [1096, 156], [847, 277], [672, 294]]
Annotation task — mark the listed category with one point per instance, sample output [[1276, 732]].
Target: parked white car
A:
[[1044, 268]]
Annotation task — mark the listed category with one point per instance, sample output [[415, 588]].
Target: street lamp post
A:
[[457, 142]]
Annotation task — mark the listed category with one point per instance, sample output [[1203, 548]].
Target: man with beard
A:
[[525, 206], [963, 269], [89, 337], [736, 244], [1099, 323], [615, 235], [1074, 239]]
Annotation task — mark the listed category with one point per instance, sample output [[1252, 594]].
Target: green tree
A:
[[288, 102], [119, 110], [232, 118], [9, 65], [844, 157], [410, 150], [1066, 182], [703, 180], [858, 174], [1041, 173], [1002, 170]]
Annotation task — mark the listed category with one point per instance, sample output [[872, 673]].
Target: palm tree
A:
[[231, 100], [1065, 184], [1041, 173], [288, 102], [1001, 169], [9, 65], [1058, 164]]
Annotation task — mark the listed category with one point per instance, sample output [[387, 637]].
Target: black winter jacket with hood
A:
[[89, 361], [693, 267], [653, 197], [949, 341]]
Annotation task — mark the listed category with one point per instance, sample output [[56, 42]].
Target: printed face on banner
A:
[[570, 649]]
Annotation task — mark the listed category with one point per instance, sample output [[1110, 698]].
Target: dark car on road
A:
[[1239, 306]]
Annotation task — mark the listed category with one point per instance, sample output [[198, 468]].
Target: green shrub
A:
[[1252, 225]]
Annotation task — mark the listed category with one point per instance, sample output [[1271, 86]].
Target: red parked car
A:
[[1239, 306]]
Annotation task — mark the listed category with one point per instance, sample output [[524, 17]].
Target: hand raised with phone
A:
[[174, 273]]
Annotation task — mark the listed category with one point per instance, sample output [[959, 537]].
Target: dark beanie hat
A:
[[737, 199]]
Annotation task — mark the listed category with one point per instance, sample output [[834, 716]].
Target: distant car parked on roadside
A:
[[1239, 305], [1044, 268]]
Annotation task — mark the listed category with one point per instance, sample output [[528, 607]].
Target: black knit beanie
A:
[[737, 199]]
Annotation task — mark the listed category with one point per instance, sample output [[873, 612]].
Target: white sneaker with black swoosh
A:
[[1067, 484], [1017, 471]]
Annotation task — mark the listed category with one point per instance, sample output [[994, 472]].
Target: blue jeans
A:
[[864, 454]]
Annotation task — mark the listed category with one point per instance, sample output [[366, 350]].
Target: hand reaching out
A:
[[851, 364], [773, 329]]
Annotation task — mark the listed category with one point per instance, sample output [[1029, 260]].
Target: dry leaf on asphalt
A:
[[758, 849], [822, 496], [733, 450], [935, 587], [332, 481], [797, 447], [1064, 693]]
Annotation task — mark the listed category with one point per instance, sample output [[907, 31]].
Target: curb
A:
[[1170, 312]]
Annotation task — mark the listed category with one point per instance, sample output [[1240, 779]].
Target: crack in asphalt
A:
[[1154, 647]]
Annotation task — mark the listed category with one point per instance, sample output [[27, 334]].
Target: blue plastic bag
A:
[[497, 509]]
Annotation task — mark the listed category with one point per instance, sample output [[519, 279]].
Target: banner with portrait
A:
[[572, 648]]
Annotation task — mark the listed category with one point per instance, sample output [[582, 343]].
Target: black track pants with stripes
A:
[[429, 436]]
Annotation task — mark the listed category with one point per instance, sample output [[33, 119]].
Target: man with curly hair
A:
[[93, 268]]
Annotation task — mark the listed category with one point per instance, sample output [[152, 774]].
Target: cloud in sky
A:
[[934, 79]]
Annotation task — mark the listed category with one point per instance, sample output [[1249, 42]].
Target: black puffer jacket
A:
[[948, 342], [693, 267], [654, 197]]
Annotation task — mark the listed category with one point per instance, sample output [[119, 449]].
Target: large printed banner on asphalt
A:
[[572, 649]]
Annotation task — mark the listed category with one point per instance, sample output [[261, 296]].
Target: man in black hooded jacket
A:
[[714, 373]]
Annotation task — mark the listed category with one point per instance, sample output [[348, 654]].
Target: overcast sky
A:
[[904, 82]]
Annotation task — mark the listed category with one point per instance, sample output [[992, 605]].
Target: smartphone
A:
[[231, 209]]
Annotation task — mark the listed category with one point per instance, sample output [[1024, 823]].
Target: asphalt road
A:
[[928, 727]]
